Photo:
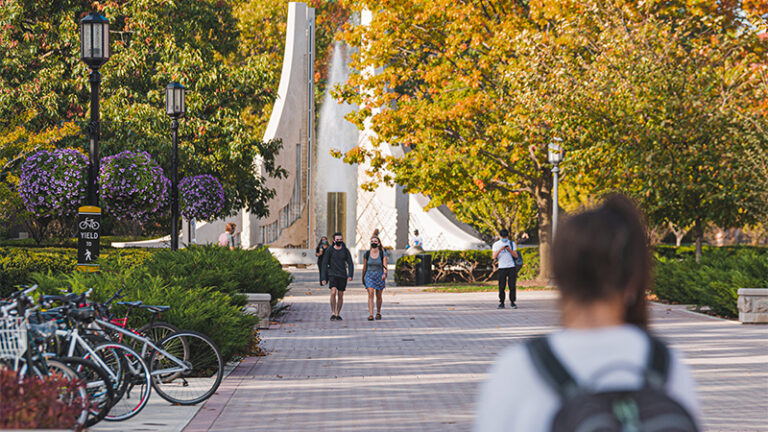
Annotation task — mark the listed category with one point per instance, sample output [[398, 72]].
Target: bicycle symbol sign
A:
[[88, 224]]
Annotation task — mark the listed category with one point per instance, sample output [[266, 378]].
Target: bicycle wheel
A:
[[157, 332], [78, 397], [133, 382], [198, 379], [101, 394]]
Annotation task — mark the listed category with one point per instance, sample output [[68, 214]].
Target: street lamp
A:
[[175, 107], [555, 156], [94, 51]]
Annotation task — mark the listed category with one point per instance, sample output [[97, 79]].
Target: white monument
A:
[[321, 194]]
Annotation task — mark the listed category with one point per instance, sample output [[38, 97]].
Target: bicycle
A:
[[19, 340], [154, 329], [126, 369], [187, 369]]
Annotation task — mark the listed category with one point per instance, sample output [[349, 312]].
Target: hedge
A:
[[714, 281], [207, 310], [238, 271], [464, 266], [202, 284], [18, 264]]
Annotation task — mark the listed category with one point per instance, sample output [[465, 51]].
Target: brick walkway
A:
[[419, 368]]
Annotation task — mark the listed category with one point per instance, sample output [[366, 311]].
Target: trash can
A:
[[423, 269]]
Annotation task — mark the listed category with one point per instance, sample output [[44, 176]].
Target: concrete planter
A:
[[753, 305], [258, 304]]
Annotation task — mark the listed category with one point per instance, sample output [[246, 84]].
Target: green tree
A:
[[474, 92], [669, 115], [195, 42]]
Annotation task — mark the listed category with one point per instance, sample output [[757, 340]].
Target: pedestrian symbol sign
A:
[[88, 236]]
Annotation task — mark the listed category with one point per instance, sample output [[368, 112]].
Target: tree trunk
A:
[[678, 232], [698, 232], [543, 198]]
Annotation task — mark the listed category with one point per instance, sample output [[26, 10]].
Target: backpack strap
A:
[[658, 364], [551, 369]]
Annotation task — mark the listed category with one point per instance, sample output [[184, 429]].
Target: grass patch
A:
[[455, 288]]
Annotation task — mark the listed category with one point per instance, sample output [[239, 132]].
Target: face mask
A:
[[338, 242], [324, 242], [374, 245]]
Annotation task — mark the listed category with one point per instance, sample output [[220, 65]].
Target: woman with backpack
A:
[[375, 275], [227, 238], [603, 371]]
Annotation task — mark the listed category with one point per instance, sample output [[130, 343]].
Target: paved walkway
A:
[[419, 368]]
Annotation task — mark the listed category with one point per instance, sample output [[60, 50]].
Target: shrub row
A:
[[18, 264], [464, 266], [203, 285], [714, 281], [238, 271]]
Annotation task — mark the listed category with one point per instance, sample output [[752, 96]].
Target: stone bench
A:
[[258, 304], [753, 305]]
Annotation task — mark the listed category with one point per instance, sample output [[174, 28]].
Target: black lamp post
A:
[[94, 51], [175, 107], [555, 156]]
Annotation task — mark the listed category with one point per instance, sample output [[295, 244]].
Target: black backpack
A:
[[519, 260], [648, 409]]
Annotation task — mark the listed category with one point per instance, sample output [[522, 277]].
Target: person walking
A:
[[418, 240], [319, 251], [375, 275], [337, 269], [602, 266], [227, 238], [505, 251]]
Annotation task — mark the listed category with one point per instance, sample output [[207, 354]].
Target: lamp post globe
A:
[[175, 104], [94, 40], [175, 107]]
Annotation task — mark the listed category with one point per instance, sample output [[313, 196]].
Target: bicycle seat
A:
[[156, 309], [136, 303]]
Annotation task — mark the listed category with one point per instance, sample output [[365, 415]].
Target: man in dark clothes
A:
[[337, 269]]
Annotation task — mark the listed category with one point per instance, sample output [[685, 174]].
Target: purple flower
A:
[[201, 197], [133, 186], [64, 169]]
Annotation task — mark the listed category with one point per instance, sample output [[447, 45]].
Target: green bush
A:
[[714, 281], [205, 309], [18, 264], [238, 271], [464, 266]]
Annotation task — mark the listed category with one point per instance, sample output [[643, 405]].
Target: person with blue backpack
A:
[[506, 253], [604, 371]]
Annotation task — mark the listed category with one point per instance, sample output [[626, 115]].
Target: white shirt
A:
[[515, 398], [506, 260], [418, 241]]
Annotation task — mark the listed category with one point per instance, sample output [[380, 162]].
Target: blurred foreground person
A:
[[603, 372]]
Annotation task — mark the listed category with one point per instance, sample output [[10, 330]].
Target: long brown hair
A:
[[603, 253]]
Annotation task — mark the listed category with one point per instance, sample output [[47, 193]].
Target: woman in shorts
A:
[[375, 275]]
